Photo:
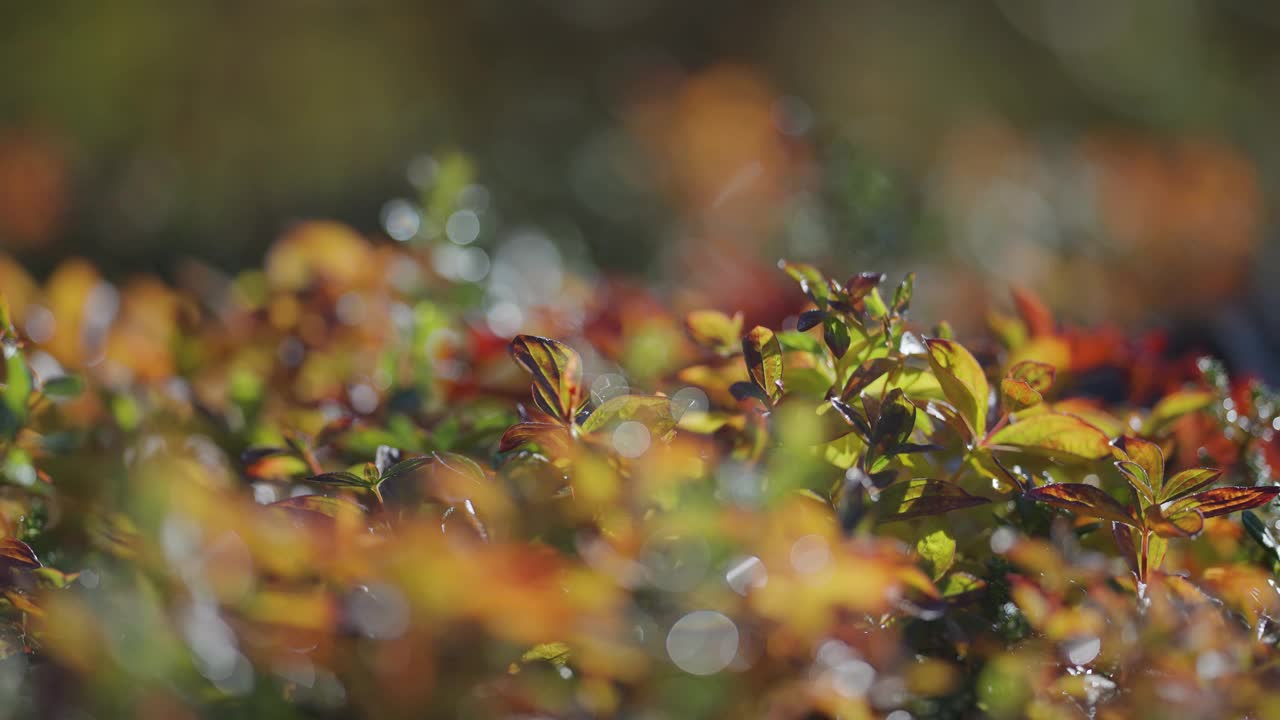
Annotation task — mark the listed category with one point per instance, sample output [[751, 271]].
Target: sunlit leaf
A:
[[763, 356], [1017, 395], [1174, 406], [798, 341], [1224, 500], [1137, 478], [811, 280], [715, 330], [963, 382], [1061, 436], [902, 296], [556, 653], [1083, 500], [1187, 482], [1145, 454], [557, 374], [653, 411], [919, 498], [938, 550]]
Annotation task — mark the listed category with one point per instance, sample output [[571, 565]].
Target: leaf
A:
[[938, 550], [836, 335], [331, 507], [1083, 500], [551, 437], [963, 382], [1061, 436], [341, 477], [1224, 500], [861, 284], [557, 374], [962, 585], [812, 282], [1137, 478], [810, 319], [919, 498], [16, 554], [799, 342], [1187, 482], [405, 467], [865, 374], [556, 653], [63, 386], [1017, 395], [763, 356], [1174, 406], [1183, 523], [17, 390], [714, 330], [653, 411], [1146, 455], [1038, 376], [902, 296], [1259, 531]]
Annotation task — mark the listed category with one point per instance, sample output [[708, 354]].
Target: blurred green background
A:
[[1115, 155]]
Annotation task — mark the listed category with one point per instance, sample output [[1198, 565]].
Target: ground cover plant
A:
[[325, 489]]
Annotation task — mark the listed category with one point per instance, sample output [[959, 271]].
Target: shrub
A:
[[320, 489]]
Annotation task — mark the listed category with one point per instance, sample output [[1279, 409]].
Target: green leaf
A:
[[962, 381], [1083, 500], [902, 296], [405, 467], [1061, 436], [919, 498], [17, 390], [557, 374], [1174, 406], [1187, 482], [796, 341], [63, 386], [1137, 478], [653, 411], [1224, 500], [960, 584], [938, 550], [556, 653], [763, 356], [341, 477], [714, 330], [812, 282]]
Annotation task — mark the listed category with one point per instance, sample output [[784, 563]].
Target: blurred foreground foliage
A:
[[338, 487]]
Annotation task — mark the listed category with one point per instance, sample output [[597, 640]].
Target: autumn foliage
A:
[[328, 489]]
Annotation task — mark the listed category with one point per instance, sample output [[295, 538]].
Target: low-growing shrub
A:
[[328, 489]]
